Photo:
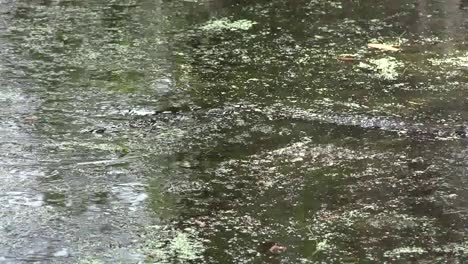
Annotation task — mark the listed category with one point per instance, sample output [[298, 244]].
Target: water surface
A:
[[143, 131]]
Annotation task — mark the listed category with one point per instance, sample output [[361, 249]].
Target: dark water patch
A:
[[309, 172]]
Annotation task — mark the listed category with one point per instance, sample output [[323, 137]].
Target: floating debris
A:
[[382, 47]]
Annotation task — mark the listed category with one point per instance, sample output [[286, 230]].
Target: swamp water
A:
[[206, 131]]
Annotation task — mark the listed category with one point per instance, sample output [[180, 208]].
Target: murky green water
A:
[[205, 131]]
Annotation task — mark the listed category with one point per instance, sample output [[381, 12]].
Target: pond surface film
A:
[[197, 131]]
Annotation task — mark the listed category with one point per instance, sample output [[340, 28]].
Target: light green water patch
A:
[[118, 148], [90, 261], [396, 41], [405, 251], [226, 24], [454, 248], [455, 60], [387, 68], [166, 245]]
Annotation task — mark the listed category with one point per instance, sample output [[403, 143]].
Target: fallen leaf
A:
[[382, 47], [415, 103]]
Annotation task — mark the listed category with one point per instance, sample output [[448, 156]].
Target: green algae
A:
[[90, 261], [387, 68], [456, 60], [398, 252], [168, 246], [226, 24]]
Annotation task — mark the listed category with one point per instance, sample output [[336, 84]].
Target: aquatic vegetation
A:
[[226, 24], [386, 68], [405, 251], [390, 41], [451, 60], [454, 248], [90, 261], [185, 247], [166, 245], [320, 246]]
